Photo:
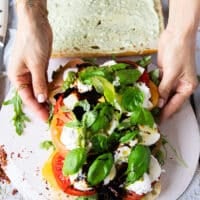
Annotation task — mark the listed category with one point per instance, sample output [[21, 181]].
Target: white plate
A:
[[25, 158]]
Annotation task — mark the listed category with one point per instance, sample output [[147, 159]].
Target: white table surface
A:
[[192, 192]]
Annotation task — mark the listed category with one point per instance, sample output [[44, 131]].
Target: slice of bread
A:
[[92, 28]]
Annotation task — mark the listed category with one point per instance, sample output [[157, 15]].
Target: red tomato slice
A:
[[144, 78], [64, 182], [57, 164], [132, 196]]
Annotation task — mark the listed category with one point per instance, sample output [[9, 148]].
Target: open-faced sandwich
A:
[[104, 131]]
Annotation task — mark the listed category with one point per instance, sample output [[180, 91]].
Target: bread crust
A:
[[64, 54]]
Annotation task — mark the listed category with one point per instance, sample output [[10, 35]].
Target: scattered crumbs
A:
[[37, 171], [14, 192], [3, 163], [40, 194], [19, 155], [12, 155], [46, 188]]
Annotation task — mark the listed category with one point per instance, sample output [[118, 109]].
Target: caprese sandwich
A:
[[104, 132]]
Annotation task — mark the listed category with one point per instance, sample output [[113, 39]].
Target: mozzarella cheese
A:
[[70, 101], [147, 95], [79, 182], [141, 69], [121, 154], [110, 176], [113, 125], [82, 88], [144, 184], [116, 81], [66, 72], [149, 135], [69, 137], [109, 63]]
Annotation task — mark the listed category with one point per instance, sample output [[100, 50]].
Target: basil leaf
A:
[[74, 161], [47, 144], [104, 87], [103, 118], [73, 124], [142, 116], [118, 66], [129, 136], [88, 73], [155, 76], [99, 143], [145, 61], [138, 163], [132, 98], [83, 104], [71, 77], [100, 168], [94, 197], [128, 76], [89, 118]]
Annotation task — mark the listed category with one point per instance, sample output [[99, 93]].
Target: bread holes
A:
[[85, 36], [95, 47], [76, 48], [122, 48], [99, 23]]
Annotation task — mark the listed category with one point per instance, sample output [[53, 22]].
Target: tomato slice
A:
[[64, 182], [144, 78], [60, 117], [132, 196], [57, 164]]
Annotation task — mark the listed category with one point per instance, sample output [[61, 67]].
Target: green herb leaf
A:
[[73, 124], [89, 118], [142, 116], [88, 73], [99, 143], [47, 144], [155, 76], [138, 163], [19, 118], [129, 136], [69, 80], [103, 118], [100, 168], [118, 66], [145, 61], [128, 76], [104, 87], [83, 104], [94, 197], [132, 98], [74, 161]]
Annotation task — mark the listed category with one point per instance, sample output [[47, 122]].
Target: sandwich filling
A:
[[111, 136]]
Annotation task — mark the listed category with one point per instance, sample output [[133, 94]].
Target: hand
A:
[[29, 60], [176, 60]]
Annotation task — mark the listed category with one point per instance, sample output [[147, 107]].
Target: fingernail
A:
[[161, 103], [41, 98]]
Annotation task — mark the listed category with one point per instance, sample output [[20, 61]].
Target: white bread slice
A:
[[91, 28]]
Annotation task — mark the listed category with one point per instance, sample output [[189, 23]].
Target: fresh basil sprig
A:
[[19, 118], [132, 98], [100, 168], [145, 61], [71, 77], [99, 143], [142, 116], [47, 144], [129, 135], [74, 161], [128, 76], [138, 163], [104, 87]]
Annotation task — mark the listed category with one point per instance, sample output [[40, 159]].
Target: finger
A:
[[29, 100], [184, 90], [39, 83], [165, 88]]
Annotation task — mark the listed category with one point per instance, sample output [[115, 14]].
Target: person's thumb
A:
[[39, 83], [164, 89]]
